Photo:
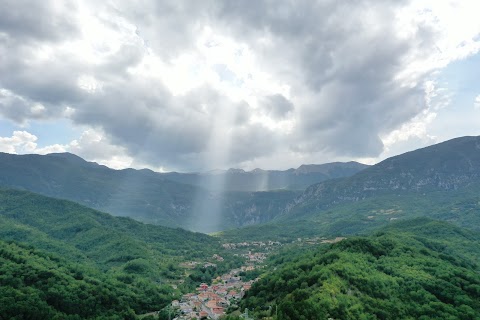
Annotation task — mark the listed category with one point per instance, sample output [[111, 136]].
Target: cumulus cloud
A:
[[94, 146], [91, 145], [476, 103], [24, 142], [169, 83]]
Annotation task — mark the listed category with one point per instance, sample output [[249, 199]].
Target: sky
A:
[[202, 85]]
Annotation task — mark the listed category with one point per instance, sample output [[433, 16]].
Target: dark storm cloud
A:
[[53, 81], [153, 124], [18, 109], [251, 142], [25, 27], [277, 106], [340, 61], [343, 56], [24, 20]]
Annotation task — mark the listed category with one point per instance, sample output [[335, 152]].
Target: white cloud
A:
[[91, 145], [476, 103], [19, 142], [94, 146], [22, 142]]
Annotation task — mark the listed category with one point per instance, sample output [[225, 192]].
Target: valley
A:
[[239, 160], [190, 201], [396, 240]]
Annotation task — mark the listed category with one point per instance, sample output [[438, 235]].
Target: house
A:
[[232, 294], [218, 310], [203, 296], [223, 303], [211, 304]]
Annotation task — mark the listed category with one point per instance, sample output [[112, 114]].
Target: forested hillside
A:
[[441, 182], [63, 260], [449, 166], [420, 269], [37, 285], [140, 194]]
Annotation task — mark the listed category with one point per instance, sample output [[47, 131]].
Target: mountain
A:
[[146, 195], [420, 269], [137, 193], [448, 170], [441, 181], [59, 259], [267, 180], [447, 166]]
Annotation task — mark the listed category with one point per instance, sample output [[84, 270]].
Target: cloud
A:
[[24, 20], [476, 103], [20, 140], [91, 145], [24, 142], [20, 109], [94, 146], [277, 106], [169, 83]]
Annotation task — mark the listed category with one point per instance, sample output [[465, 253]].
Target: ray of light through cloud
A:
[[174, 85]]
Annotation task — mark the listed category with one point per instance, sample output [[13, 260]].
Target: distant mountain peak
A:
[[329, 167], [66, 155], [446, 166], [233, 170]]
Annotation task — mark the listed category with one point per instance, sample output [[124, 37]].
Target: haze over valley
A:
[[267, 160]]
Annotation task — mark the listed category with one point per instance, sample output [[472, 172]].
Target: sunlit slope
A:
[[420, 269]]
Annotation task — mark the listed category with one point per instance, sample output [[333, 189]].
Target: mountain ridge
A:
[[145, 195], [259, 179], [440, 181], [445, 166]]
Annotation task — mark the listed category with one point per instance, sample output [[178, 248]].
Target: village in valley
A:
[[211, 300]]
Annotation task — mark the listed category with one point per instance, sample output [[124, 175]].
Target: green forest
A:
[[36, 285], [419, 269], [62, 260]]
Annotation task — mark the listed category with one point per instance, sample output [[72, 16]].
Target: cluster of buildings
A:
[[262, 244], [254, 258], [211, 301]]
